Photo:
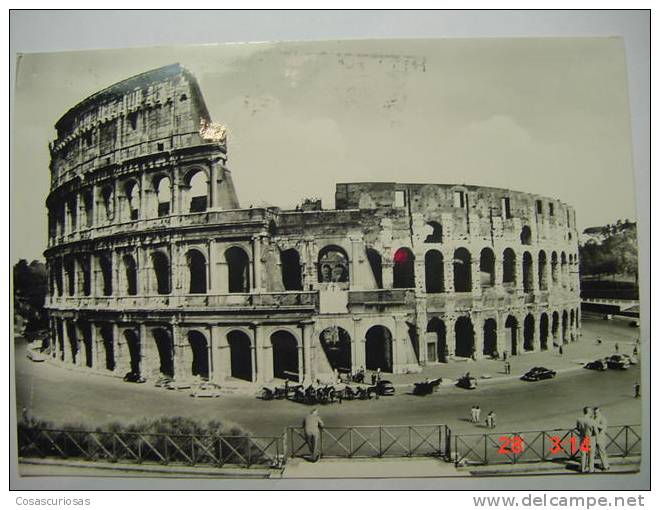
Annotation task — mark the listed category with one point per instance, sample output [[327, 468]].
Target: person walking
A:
[[616, 347], [561, 350], [490, 420], [586, 427], [473, 413], [477, 414], [507, 367], [312, 425], [637, 388], [601, 438]]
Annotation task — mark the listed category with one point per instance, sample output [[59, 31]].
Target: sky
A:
[[545, 116]]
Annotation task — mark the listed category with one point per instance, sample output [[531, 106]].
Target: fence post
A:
[[192, 451], [409, 440], [249, 451], [350, 442], [447, 453], [486, 448], [380, 441], [625, 453], [455, 451]]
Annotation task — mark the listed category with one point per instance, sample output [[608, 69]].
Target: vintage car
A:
[[599, 364], [134, 378], [618, 361], [538, 374], [467, 382], [36, 355], [427, 387]]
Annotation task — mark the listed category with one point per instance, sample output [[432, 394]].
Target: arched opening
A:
[[72, 208], [564, 270], [437, 351], [73, 341], [577, 318], [238, 269], [105, 264], [528, 273], [376, 264], [241, 355], [572, 324], [200, 354], [197, 191], [108, 341], [379, 349], [404, 269], [526, 235], [436, 235], [163, 189], [70, 270], [132, 200], [86, 266], [554, 268], [130, 272], [336, 343], [564, 327], [487, 267], [434, 272], [555, 327], [59, 279], [165, 347], [108, 205], [511, 325], [464, 338], [333, 265], [161, 267], [133, 343], [88, 202], [543, 271], [543, 332], [86, 344], [196, 272], [462, 270], [291, 269], [509, 268], [285, 356], [528, 333], [490, 337]]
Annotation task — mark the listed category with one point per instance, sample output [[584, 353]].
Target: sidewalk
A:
[[402, 467]]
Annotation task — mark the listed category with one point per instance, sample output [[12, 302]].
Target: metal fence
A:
[[131, 447], [540, 445], [375, 441]]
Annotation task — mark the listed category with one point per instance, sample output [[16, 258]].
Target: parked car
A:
[[427, 387], [467, 382], [134, 378], [383, 388], [599, 364], [206, 390], [538, 374], [36, 355], [618, 361]]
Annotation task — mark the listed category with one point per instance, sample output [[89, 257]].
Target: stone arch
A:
[[88, 206], [107, 200], [464, 337], [285, 356], [434, 272], [487, 267], [543, 270], [132, 340], [196, 185], [199, 347], [108, 340], [555, 327], [436, 234], [554, 268], [58, 276], [130, 209], [572, 324], [163, 193], [509, 268], [165, 347], [511, 325], [379, 349], [526, 236], [86, 344], [160, 264], [240, 353], [332, 264], [437, 326], [336, 343], [564, 270], [528, 272], [197, 279], [86, 269], [130, 274], [105, 265], [490, 337], [404, 269], [543, 331], [376, 264], [238, 270], [70, 271], [291, 269], [528, 333], [564, 327], [462, 270]]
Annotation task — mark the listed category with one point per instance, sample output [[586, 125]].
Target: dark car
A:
[[383, 388], [599, 364], [467, 382], [427, 387], [618, 361], [134, 378], [538, 374]]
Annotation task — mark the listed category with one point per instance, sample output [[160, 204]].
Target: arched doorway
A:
[[555, 327], [543, 331], [196, 272], [487, 267], [511, 325], [200, 354], [437, 351], [528, 333], [462, 270], [464, 338], [161, 268], [165, 347], [376, 264], [434, 272], [133, 343], [528, 274], [332, 265], [490, 337], [404, 269], [73, 341], [509, 268], [379, 349], [197, 191], [105, 264], [291, 269], [554, 268], [285, 356], [238, 269], [130, 273], [240, 348], [336, 343], [526, 235], [163, 189], [108, 346], [564, 327], [543, 271]]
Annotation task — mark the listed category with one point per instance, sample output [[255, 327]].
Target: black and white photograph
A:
[[376, 258]]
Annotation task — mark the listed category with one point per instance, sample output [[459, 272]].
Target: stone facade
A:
[[155, 269]]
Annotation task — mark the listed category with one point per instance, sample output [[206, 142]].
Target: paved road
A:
[[65, 396]]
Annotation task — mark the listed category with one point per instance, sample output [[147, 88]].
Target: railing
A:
[[375, 441], [540, 446], [131, 447]]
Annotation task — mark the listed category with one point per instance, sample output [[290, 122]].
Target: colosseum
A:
[[156, 270]]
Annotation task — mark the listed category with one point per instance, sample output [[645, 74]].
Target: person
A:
[[507, 367], [373, 378], [635, 351], [601, 438], [490, 420], [586, 427], [599, 340], [378, 375], [561, 350], [312, 425], [616, 347], [477, 414], [473, 414], [504, 355], [637, 387]]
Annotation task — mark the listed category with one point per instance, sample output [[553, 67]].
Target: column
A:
[[534, 270], [215, 334], [147, 365], [478, 328], [501, 334], [421, 322], [180, 373], [114, 273], [536, 339], [176, 192], [519, 273], [213, 192], [475, 276], [448, 273], [450, 336], [95, 208], [307, 368], [176, 280], [259, 366], [210, 267], [498, 273], [257, 283], [388, 271], [94, 345], [210, 348], [354, 262]]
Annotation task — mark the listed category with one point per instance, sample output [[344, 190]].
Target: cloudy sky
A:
[[547, 116]]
